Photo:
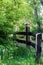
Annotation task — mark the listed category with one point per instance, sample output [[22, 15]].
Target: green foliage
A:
[[14, 14], [13, 11], [18, 56]]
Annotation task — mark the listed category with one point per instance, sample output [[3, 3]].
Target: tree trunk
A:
[[36, 14]]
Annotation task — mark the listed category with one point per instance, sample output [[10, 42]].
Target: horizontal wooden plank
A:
[[24, 33], [29, 42]]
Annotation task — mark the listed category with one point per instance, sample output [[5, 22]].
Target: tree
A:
[[35, 17], [41, 2]]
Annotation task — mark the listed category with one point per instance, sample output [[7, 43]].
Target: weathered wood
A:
[[27, 36], [38, 46], [29, 42], [24, 33]]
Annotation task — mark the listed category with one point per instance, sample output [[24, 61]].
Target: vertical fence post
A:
[[27, 30], [38, 46]]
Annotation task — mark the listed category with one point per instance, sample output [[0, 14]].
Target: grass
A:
[[20, 56]]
